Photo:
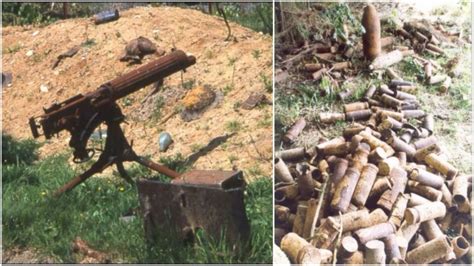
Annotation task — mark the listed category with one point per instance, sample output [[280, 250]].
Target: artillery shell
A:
[[424, 142], [369, 92], [352, 220], [326, 234], [401, 146], [392, 74], [407, 88], [348, 52], [398, 211], [428, 68], [341, 65], [376, 155], [404, 33], [446, 84], [348, 247], [305, 183], [358, 115], [375, 252], [313, 67], [423, 132], [384, 89], [300, 217], [447, 169], [391, 246], [338, 149], [402, 157], [430, 230], [388, 198], [372, 122], [423, 152], [282, 215], [319, 74], [428, 123], [394, 83], [391, 101], [404, 96], [344, 190], [299, 251], [434, 48], [363, 187], [425, 191], [407, 134], [295, 130], [430, 251], [278, 234], [375, 142], [340, 168], [282, 173], [344, 94], [386, 166], [418, 240], [374, 232], [416, 199], [373, 102], [360, 157], [385, 60], [425, 212], [460, 189], [312, 206], [395, 115], [390, 123], [352, 130], [426, 178], [355, 142], [371, 38], [407, 231], [288, 192], [460, 246], [436, 79], [356, 106], [413, 113], [447, 198], [328, 118], [410, 105], [294, 154]]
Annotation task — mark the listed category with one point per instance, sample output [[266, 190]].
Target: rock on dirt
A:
[[219, 64]]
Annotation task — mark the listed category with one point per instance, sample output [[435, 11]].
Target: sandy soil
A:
[[189, 30]]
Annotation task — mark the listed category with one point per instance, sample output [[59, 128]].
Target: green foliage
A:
[[256, 16], [267, 83], [18, 151], [25, 13], [33, 218], [233, 126], [339, 14]]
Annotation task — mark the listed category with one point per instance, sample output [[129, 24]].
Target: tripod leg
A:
[[124, 173], [157, 167], [97, 167]]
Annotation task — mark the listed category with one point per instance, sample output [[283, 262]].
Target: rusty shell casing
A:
[[282, 214], [424, 142], [391, 101], [358, 115], [352, 220], [428, 123], [423, 132], [288, 192], [390, 123], [460, 189], [402, 158], [460, 246], [434, 48], [430, 251], [294, 154], [418, 240], [413, 113], [377, 155], [344, 190], [394, 83], [428, 69], [392, 74], [425, 191], [398, 210], [373, 102], [410, 105], [401, 146], [386, 166], [384, 89], [430, 230], [407, 134], [407, 88], [326, 234], [421, 153], [306, 184], [319, 74], [426, 178], [395, 115], [375, 253], [388, 198], [436, 79], [404, 96], [383, 61], [364, 185], [392, 248], [341, 96], [360, 157], [356, 106], [294, 131], [282, 173], [329, 118], [372, 46], [372, 122], [407, 231], [330, 143], [375, 142], [381, 184], [355, 142], [373, 232], [340, 167], [447, 198], [278, 234], [352, 130], [341, 65], [310, 213], [445, 85], [442, 166], [369, 92], [298, 250], [348, 247], [313, 67], [339, 149], [425, 212], [300, 217], [416, 199]]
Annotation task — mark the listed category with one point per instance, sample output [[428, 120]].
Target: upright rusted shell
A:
[[371, 38]]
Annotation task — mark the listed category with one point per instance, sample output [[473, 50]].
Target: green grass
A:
[[34, 219], [233, 126]]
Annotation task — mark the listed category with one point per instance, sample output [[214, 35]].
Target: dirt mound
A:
[[235, 68]]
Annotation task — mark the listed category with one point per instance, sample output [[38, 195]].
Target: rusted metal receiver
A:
[[81, 114], [212, 201]]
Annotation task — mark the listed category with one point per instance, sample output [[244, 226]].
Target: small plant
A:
[[233, 126], [159, 103], [227, 89], [13, 49], [88, 43], [267, 83], [232, 158], [189, 84], [128, 101], [255, 170], [256, 54], [196, 147]]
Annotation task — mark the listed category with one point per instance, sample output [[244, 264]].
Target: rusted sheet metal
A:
[[208, 200]]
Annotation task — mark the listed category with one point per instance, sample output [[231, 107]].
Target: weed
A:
[[227, 89], [231, 61], [196, 147], [128, 101], [256, 53], [88, 43], [232, 158], [13, 49], [267, 83], [189, 84], [233, 126], [209, 54], [266, 121], [255, 171], [159, 103]]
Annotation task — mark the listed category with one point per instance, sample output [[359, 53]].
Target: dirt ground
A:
[[29, 52]]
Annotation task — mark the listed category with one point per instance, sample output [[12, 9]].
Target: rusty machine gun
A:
[[184, 197], [82, 114]]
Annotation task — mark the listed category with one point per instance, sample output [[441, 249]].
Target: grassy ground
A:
[[299, 97], [34, 219]]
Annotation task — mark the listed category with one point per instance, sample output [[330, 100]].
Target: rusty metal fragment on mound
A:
[[254, 99], [198, 100], [209, 200]]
